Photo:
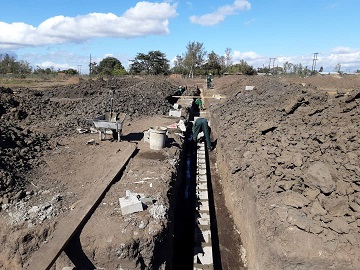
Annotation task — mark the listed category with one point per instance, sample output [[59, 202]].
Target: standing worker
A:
[[208, 81], [201, 124]]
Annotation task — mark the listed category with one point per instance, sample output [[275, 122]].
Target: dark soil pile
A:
[[29, 118], [291, 157], [19, 147]]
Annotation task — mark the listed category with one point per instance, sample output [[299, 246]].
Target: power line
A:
[[273, 63]]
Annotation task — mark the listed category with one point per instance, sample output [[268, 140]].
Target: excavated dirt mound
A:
[[289, 153], [47, 167], [30, 118]]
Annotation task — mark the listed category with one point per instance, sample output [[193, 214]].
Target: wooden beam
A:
[[215, 96], [46, 255]]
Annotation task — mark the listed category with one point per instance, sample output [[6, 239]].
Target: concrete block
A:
[[203, 219], [202, 186], [200, 135], [202, 166], [203, 206], [147, 136], [203, 195], [202, 178], [175, 113], [249, 87], [201, 171], [206, 256], [130, 204], [202, 236]]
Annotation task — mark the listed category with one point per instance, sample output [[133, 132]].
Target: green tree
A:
[[179, 67], [153, 63], [70, 72], [228, 57], [9, 64], [109, 66], [289, 68], [214, 64], [194, 57], [243, 67]]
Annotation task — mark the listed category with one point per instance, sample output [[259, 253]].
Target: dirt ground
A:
[[287, 158]]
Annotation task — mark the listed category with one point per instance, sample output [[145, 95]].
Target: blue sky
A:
[[63, 33]]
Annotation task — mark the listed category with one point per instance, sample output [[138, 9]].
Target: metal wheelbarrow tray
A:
[[110, 121]]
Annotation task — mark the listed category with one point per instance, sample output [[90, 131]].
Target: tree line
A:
[[194, 61]]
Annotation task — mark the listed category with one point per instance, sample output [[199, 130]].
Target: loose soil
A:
[[287, 158]]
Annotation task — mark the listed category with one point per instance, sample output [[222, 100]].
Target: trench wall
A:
[[242, 204]]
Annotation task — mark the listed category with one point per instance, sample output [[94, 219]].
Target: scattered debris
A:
[[91, 141]]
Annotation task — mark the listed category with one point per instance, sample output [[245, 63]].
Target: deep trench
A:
[[184, 212]]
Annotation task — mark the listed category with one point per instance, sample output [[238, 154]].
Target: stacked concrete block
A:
[[203, 257]]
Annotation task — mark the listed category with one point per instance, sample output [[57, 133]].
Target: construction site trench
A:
[[280, 190]]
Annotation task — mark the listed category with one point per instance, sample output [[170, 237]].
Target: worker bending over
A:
[[201, 124]]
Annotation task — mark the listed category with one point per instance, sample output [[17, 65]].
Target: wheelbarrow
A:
[[110, 121]]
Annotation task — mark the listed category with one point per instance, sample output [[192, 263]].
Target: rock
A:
[[354, 95], [342, 187], [311, 194], [354, 206], [285, 185], [295, 199], [315, 228], [353, 168], [294, 104], [317, 209], [336, 206], [339, 225], [318, 175], [299, 220], [290, 159]]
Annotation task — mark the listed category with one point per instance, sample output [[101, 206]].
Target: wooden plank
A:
[[47, 254], [215, 96]]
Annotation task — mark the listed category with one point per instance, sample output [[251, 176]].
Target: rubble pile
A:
[[296, 150], [20, 147]]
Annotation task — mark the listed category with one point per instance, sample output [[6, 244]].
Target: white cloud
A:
[[343, 50], [144, 19], [237, 55], [220, 14], [250, 21]]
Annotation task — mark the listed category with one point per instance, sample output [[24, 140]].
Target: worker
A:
[[201, 124], [200, 104], [208, 81]]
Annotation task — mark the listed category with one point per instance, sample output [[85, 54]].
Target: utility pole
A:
[[90, 67], [79, 69], [314, 63], [273, 61]]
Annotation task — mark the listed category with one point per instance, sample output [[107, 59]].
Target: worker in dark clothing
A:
[[201, 124]]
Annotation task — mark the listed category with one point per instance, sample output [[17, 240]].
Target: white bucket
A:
[[157, 137]]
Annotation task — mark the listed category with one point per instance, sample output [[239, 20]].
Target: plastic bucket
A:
[[157, 137]]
